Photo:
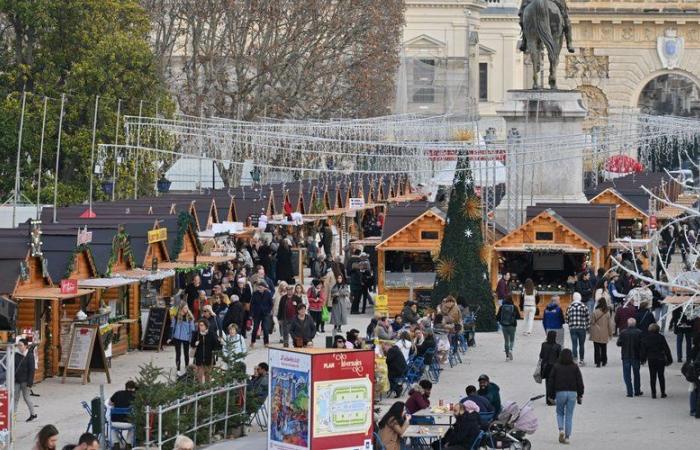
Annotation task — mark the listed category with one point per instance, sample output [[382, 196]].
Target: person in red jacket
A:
[[419, 396], [316, 297], [623, 314]]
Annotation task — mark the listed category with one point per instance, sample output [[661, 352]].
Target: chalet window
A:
[[544, 236], [429, 235]]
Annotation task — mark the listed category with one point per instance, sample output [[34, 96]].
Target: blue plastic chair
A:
[[120, 428]]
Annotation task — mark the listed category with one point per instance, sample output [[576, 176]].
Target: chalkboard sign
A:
[[85, 353], [155, 327]]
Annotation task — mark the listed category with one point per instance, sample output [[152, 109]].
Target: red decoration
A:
[[88, 214], [622, 164], [69, 286]]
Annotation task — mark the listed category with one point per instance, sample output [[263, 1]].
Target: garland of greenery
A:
[[190, 269], [317, 206], [76, 251], [184, 221], [121, 242]]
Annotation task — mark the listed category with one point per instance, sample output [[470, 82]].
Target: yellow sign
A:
[[381, 301], [157, 235]]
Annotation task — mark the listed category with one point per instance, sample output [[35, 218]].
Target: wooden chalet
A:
[[410, 240]]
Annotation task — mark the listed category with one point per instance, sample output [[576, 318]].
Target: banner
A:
[[69, 286], [357, 203], [157, 235], [290, 406], [84, 236]]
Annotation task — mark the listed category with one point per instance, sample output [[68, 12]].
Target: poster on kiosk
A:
[[320, 399]]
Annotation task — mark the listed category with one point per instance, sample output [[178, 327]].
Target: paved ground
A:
[[607, 419]]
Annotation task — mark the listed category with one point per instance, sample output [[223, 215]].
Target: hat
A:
[[471, 407], [483, 376]]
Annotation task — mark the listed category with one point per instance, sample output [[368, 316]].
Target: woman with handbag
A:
[[340, 307], [602, 330], [529, 305], [549, 354], [656, 351]]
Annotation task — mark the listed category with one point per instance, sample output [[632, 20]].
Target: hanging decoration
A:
[[446, 269], [472, 208], [120, 243], [185, 221], [74, 256]]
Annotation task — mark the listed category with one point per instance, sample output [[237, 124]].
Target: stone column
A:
[[546, 172]]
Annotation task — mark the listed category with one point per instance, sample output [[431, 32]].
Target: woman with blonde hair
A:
[[280, 292], [301, 293], [181, 329]]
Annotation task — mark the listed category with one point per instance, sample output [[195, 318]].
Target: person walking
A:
[[683, 329], [553, 319], [623, 314], [629, 341], [602, 329], [529, 305], [585, 288], [24, 376], [235, 314], [645, 317], [549, 355], [286, 312], [204, 343], [261, 310], [566, 382], [303, 328], [578, 318], [285, 269], [181, 329], [507, 316], [317, 300], [340, 303], [654, 350]]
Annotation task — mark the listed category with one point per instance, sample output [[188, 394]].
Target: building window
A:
[[429, 235], [483, 82], [544, 236], [423, 80]]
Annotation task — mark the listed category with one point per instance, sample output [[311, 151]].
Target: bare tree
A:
[[279, 58]]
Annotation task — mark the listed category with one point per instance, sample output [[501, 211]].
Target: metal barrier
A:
[[224, 405], [7, 395]]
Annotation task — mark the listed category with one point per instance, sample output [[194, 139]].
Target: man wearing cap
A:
[[491, 392]]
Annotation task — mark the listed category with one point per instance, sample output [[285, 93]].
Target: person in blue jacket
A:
[[181, 329], [553, 319], [261, 310]]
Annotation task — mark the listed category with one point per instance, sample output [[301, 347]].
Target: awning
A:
[[203, 259], [176, 265], [367, 241], [628, 242], [46, 293], [541, 249], [105, 283], [146, 275]]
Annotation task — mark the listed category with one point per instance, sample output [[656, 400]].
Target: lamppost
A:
[[468, 54]]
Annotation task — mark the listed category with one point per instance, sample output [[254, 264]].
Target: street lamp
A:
[[468, 14]]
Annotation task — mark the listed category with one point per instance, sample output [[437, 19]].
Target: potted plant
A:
[[163, 185]]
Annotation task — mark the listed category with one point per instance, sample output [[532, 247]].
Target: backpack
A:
[[691, 369], [507, 315]]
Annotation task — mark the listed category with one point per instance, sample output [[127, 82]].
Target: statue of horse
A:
[[543, 27]]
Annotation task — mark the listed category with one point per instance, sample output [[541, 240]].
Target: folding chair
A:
[[261, 416], [87, 408], [120, 428]]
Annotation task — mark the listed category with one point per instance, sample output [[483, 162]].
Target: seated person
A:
[[397, 324], [123, 399], [383, 330], [482, 402], [258, 383], [427, 344], [419, 396], [464, 430], [491, 392]]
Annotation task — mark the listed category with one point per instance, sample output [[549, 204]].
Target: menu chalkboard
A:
[[155, 327], [85, 353]]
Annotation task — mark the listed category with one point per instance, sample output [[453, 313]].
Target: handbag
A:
[[537, 375], [325, 314]]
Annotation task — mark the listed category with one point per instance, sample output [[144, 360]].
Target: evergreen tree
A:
[[461, 270]]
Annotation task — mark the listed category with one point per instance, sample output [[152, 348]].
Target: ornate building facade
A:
[[643, 55]]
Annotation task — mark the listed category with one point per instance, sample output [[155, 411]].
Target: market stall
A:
[[320, 398], [551, 250], [410, 240]]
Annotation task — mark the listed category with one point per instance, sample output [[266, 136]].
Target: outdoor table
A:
[[428, 412], [430, 432]]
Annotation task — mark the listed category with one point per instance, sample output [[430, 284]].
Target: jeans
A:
[[578, 341], [265, 321], [679, 345], [630, 367], [600, 353], [656, 369], [529, 317], [184, 348], [590, 304], [695, 402], [566, 401], [508, 338], [24, 389], [285, 327], [560, 335]]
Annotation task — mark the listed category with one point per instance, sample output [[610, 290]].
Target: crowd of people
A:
[[48, 437]]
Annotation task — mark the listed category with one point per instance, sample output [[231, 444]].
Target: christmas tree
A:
[[461, 271]]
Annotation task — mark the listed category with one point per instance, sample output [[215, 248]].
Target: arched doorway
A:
[[670, 94]]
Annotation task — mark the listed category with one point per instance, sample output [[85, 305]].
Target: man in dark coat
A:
[[24, 376], [302, 328], [287, 312], [396, 367], [192, 291], [235, 314], [630, 340], [285, 271]]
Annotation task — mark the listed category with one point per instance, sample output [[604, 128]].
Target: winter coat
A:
[[553, 317], [585, 289], [204, 346], [463, 432], [282, 313], [303, 329], [626, 312], [385, 334], [234, 314], [317, 299], [452, 315], [340, 298], [492, 393], [181, 329], [285, 271], [602, 327], [236, 344], [409, 317], [395, 362], [565, 377], [416, 399], [630, 341], [24, 368], [645, 317], [655, 348], [261, 304], [391, 433], [549, 354], [577, 316]]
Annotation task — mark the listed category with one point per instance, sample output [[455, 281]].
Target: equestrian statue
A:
[[544, 24]]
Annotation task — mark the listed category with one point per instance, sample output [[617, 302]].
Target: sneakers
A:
[[562, 438], [581, 363], [32, 417]]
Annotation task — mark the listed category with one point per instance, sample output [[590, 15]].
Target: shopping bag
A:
[[325, 314], [538, 372]]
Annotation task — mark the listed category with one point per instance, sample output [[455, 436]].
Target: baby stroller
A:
[[513, 424]]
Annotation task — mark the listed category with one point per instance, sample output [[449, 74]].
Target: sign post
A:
[[157, 235], [86, 353]]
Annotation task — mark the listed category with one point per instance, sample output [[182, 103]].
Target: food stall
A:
[[550, 249], [320, 398], [410, 241]]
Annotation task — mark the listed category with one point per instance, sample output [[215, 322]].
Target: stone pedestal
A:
[[548, 171]]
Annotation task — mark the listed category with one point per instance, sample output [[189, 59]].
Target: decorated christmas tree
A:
[[461, 270]]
